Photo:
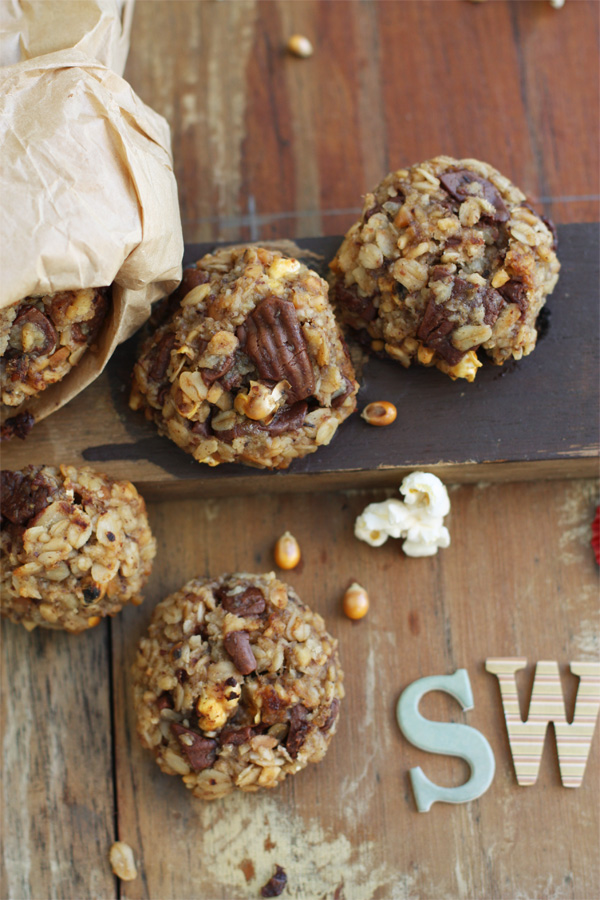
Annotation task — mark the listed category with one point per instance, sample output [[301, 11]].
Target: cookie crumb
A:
[[122, 861], [275, 885], [17, 426]]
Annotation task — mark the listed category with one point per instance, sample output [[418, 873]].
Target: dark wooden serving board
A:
[[529, 419]]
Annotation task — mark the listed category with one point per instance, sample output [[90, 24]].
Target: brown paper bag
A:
[[99, 28], [89, 198]]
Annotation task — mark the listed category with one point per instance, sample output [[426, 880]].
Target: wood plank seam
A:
[[253, 218]]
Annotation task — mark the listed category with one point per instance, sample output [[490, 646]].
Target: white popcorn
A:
[[379, 521], [425, 539], [426, 492], [419, 519]]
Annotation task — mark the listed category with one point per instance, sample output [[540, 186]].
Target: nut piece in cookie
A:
[[247, 363], [236, 685], [446, 259], [74, 546], [42, 338]]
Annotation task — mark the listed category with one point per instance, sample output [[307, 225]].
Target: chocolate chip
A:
[[209, 376], [165, 701], [515, 292], [17, 426], [470, 296], [250, 603], [349, 298], [453, 240], [199, 751], [438, 273], [201, 428], [332, 715], [23, 497], [237, 645], [273, 339], [435, 330], [275, 885], [377, 207], [298, 730], [456, 182], [190, 279], [231, 379], [436, 327], [339, 399], [236, 736], [91, 593], [161, 357], [290, 418]]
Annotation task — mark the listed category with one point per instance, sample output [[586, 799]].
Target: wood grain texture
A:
[[530, 419], [389, 84], [58, 809], [269, 146]]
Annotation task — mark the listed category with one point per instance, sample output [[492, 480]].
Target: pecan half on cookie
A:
[[42, 338], [446, 258], [247, 364], [236, 685]]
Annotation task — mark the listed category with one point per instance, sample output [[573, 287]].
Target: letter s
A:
[[446, 738]]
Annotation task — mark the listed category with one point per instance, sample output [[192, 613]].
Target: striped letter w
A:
[[547, 705]]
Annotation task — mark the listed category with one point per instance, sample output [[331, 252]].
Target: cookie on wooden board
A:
[[236, 685], [249, 365], [75, 546], [447, 257]]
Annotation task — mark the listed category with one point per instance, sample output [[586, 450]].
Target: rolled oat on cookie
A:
[[249, 364], [236, 685], [447, 258], [75, 546]]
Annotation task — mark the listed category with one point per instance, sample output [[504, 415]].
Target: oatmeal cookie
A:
[[74, 546], [237, 684], [249, 364], [42, 338], [446, 258]]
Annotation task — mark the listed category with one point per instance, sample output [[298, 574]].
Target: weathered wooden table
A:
[[268, 146]]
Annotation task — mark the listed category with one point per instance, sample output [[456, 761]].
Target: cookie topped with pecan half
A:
[[447, 258], [75, 546], [236, 685], [247, 364]]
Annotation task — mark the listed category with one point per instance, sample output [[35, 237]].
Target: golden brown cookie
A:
[[446, 258], [249, 365], [74, 546], [236, 685]]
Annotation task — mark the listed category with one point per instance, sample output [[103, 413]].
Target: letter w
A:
[[547, 704]]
